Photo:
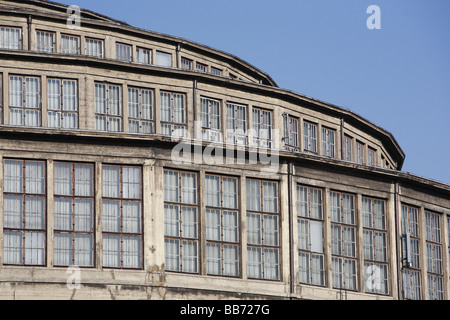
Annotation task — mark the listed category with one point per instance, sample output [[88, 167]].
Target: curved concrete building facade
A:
[[137, 165]]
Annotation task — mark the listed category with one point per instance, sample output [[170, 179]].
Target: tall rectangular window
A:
[[290, 137], [94, 48], [201, 67], [10, 38], [62, 101], [186, 64], [434, 256], [173, 114], [310, 137], [210, 116], [262, 128], [24, 101], [371, 157], [70, 44], [108, 107], [375, 245], [143, 56], [360, 149], [328, 142], [163, 59], [181, 221], [74, 214], [140, 111], [122, 217], [263, 249], [222, 226], [343, 241], [216, 72], [410, 253], [236, 124], [123, 52], [348, 148], [45, 41], [24, 211], [310, 236]]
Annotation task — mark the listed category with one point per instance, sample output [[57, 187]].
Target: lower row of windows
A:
[[24, 226]]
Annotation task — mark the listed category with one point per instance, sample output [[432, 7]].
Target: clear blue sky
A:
[[397, 77]]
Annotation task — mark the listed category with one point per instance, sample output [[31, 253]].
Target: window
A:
[[74, 214], [371, 157], [143, 56], [24, 213], [262, 230], [181, 221], [70, 44], [121, 217], [173, 114], [186, 64], [434, 256], [45, 41], [24, 101], [262, 128], [410, 253], [310, 137], [290, 132], [62, 103], [348, 148], [360, 148], [10, 38], [123, 52], [216, 72], [310, 236], [375, 245], [210, 116], [94, 48], [163, 59], [201, 67], [328, 142], [236, 124], [222, 226], [140, 111], [343, 241], [108, 107]]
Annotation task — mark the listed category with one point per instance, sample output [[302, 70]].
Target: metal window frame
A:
[[121, 199]]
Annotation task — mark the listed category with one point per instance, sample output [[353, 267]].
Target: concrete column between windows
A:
[[156, 216], [284, 229], [423, 254], [157, 111], [243, 228], [98, 217], [82, 45], [50, 213], [327, 239], [44, 101], [391, 225], [89, 103], [150, 218], [201, 227], [5, 90], [359, 242], [125, 108]]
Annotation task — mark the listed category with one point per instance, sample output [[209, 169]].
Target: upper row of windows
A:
[[11, 38], [25, 109]]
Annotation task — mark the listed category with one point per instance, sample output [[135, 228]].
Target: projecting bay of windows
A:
[[11, 38], [42, 101]]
